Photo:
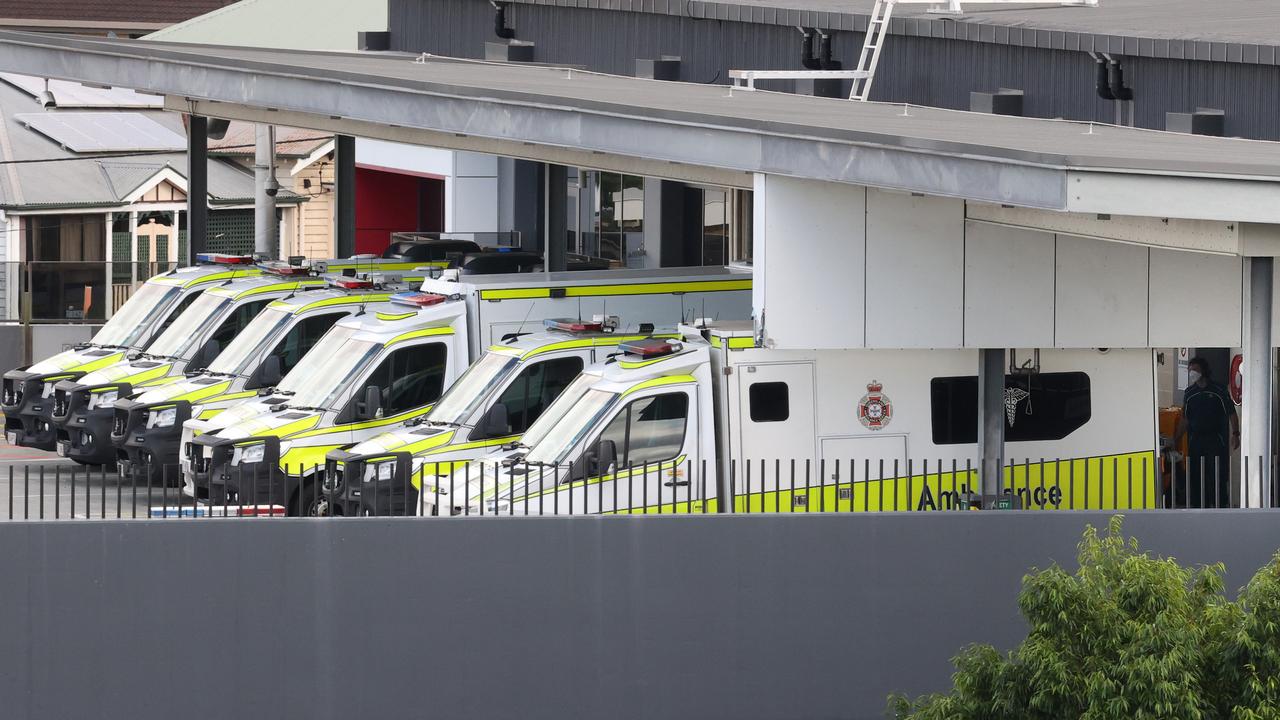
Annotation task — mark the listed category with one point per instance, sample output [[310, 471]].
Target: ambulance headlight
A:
[[246, 454], [103, 399], [380, 471], [164, 418]]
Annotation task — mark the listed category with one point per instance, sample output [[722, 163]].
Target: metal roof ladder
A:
[[878, 29]]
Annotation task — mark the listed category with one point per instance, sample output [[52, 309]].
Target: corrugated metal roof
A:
[[241, 138], [122, 11], [1245, 31]]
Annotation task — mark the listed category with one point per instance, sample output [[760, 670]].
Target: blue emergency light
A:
[[224, 259]]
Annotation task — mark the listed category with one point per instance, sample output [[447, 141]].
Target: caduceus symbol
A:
[[1013, 396]]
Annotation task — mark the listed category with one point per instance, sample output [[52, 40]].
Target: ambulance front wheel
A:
[[310, 500]]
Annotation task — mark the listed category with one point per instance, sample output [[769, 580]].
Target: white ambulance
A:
[[711, 422]]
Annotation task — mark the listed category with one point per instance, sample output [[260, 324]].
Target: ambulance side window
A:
[[237, 320], [1039, 407], [649, 430], [302, 337], [410, 377], [770, 402], [535, 388], [173, 315]]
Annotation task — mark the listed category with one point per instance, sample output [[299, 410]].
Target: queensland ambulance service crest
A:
[[874, 409]]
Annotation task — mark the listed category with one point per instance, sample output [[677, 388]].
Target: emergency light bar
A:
[[572, 325], [218, 511], [281, 268], [417, 299], [351, 283], [650, 347], [224, 259]]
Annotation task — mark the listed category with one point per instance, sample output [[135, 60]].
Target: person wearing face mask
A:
[[1213, 430]]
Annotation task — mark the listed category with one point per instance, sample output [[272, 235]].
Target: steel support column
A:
[[265, 227], [557, 214], [197, 186], [990, 421], [1255, 447], [344, 178]]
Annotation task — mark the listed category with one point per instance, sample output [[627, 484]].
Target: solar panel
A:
[[86, 132], [75, 95]]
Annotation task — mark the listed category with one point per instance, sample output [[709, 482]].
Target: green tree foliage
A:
[[1127, 637]]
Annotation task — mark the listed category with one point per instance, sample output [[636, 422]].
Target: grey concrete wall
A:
[[767, 617]]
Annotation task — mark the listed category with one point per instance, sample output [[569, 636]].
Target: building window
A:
[[1045, 406], [606, 212], [743, 227], [770, 402], [67, 254], [726, 226]]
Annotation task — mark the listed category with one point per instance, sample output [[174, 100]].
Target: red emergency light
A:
[[352, 284], [650, 347], [575, 326], [417, 299], [224, 259]]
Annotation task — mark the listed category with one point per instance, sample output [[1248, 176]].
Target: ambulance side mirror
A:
[[595, 461], [494, 423], [370, 406], [606, 456]]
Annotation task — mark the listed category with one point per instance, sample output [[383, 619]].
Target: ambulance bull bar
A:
[[144, 446], [353, 493]]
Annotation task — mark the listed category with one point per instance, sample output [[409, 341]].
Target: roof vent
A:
[[666, 67], [1005, 101], [1204, 121], [509, 51]]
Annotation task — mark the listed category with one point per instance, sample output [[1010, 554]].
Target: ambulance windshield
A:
[[576, 422], [136, 317], [461, 400], [251, 342], [558, 408], [191, 326], [323, 375]]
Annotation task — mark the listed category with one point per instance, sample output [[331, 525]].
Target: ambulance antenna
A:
[[520, 330], [579, 309], [682, 318]]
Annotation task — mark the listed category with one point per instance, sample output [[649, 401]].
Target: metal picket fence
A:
[[483, 489]]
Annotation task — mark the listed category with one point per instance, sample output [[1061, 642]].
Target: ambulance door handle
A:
[[672, 483]]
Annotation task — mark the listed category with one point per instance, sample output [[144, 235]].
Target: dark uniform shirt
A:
[[1208, 411]]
